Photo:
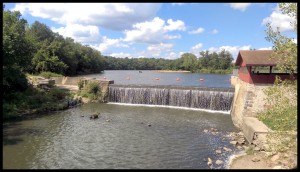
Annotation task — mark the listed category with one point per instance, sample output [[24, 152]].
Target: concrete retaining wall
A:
[[249, 99]]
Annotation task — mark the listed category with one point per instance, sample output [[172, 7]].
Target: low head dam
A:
[[218, 99]]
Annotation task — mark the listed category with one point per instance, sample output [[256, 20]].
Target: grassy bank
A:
[[215, 71], [35, 100]]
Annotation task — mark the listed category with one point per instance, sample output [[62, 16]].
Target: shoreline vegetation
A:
[[172, 71]]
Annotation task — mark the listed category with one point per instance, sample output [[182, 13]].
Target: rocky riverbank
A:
[[242, 155]]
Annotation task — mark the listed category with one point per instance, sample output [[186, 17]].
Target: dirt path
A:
[[260, 160]]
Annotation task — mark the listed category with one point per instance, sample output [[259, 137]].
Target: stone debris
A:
[[233, 142], [239, 147], [256, 148], [213, 129], [274, 158], [219, 162], [227, 149], [209, 161], [277, 167], [218, 151]]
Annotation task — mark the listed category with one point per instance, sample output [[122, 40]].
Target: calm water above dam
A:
[[148, 77]]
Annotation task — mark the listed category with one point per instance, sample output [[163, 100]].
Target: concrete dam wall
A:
[[202, 98]]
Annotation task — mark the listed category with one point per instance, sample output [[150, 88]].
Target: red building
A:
[[256, 67]]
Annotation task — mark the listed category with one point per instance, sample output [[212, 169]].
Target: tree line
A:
[[187, 61]]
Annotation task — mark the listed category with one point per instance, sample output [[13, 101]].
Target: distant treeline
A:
[[207, 62]]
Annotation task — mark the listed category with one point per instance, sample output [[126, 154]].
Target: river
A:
[[123, 137]]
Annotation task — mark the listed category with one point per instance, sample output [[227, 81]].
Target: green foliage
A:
[[282, 98], [9, 110], [285, 48], [208, 63], [281, 141], [80, 84], [49, 74], [215, 71], [221, 60], [58, 94], [189, 62], [92, 90], [250, 150]]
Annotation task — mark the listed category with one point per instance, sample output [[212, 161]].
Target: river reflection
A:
[[122, 137]]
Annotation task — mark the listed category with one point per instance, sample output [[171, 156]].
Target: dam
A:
[[219, 99]]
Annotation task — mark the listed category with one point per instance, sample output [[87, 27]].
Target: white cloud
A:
[[116, 16], [157, 49], [109, 43], [80, 33], [215, 31], [153, 32], [197, 31], [121, 55], [265, 48], [175, 25], [196, 49], [232, 49], [240, 6], [277, 19]]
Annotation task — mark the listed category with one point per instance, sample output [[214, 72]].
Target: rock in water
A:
[[209, 161], [94, 116], [219, 162]]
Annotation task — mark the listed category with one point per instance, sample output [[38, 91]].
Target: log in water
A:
[[219, 99]]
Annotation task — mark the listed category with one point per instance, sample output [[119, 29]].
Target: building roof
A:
[[255, 58]]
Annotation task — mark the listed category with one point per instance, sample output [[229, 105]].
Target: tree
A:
[[189, 62], [16, 52], [285, 49]]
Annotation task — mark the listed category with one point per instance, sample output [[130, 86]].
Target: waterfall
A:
[[219, 99]]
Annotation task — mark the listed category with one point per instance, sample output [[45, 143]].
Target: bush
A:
[[9, 110], [282, 97], [58, 94], [92, 90], [80, 84]]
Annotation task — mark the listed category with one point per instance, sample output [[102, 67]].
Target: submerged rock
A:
[[94, 116]]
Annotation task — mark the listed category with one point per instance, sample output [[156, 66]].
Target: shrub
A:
[[92, 90], [58, 94], [9, 110], [80, 84]]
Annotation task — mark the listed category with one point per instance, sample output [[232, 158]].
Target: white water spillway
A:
[[219, 99]]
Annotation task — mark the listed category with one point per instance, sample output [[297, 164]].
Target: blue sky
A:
[[160, 30]]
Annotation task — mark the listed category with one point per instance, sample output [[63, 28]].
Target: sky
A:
[[160, 30]]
